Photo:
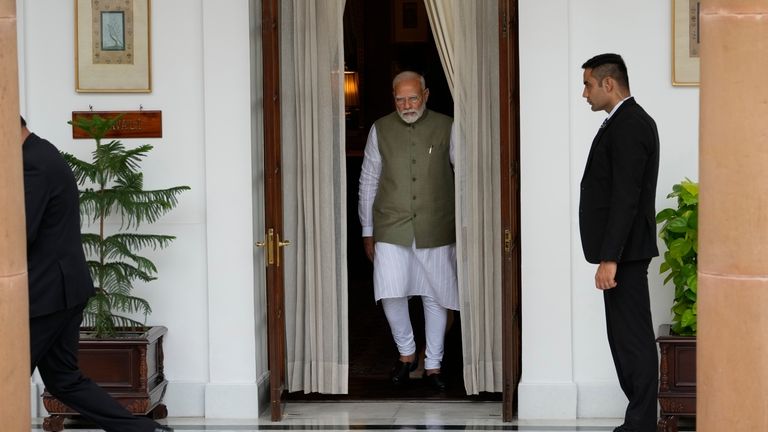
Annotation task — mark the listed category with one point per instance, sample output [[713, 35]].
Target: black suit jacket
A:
[[617, 218], [58, 274]]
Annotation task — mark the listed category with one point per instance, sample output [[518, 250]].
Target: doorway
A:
[[382, 39], [358, 122]]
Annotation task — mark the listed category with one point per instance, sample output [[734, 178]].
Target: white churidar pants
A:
[[401, 272], [435, 319]]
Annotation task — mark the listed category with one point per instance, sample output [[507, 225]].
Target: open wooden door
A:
[[510, 200], [273, 197]]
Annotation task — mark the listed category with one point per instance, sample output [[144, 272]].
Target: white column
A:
[[232, 391], [547, 388]]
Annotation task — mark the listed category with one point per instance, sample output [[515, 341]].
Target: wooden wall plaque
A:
[[132, 124]]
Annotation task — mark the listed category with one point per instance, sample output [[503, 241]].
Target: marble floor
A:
[[379, 416]]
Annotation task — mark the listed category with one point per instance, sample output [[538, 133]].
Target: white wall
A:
[[205, 294], [567, 367], [201, 82]]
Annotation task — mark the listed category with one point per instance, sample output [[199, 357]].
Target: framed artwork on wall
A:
[[410, 21], [112, 46], [686, 38]]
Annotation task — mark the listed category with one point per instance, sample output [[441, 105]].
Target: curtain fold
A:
[[441, 20], [314, 184], [468, 30]]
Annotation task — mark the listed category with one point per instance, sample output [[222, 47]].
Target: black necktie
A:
[[605, 122]]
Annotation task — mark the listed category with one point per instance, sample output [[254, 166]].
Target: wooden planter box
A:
[[129, 367], [677, 381]]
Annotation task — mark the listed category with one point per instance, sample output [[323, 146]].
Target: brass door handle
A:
[[273, 255], [268, 245], [279, 245]]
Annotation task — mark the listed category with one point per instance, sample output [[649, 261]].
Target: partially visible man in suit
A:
[[59, 287], [618, 230]]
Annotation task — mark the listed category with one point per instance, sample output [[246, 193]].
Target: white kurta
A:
[[400, 271]]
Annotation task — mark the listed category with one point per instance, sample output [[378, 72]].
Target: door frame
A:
[[273, 210], [510, 202], [509, 113]]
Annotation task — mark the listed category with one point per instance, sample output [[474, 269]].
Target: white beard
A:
[[410, 116]]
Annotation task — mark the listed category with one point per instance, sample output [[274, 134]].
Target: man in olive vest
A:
[[406, 209]]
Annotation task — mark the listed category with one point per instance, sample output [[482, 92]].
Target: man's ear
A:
[[608, 84]]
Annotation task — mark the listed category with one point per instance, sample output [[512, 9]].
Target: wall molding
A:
[[547, 400]]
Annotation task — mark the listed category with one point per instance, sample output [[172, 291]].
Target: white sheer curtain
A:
[[440, 14], [314, 182], [466, 33]]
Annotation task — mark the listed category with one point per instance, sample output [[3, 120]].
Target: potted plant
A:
[[117, 350], [677, 342]]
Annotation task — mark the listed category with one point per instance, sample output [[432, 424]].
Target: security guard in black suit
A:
[[618, 230], [59, 287]]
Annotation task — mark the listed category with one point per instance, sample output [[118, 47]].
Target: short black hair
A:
[[608, 65], [23, 122]]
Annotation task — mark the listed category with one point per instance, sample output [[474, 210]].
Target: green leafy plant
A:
[[113, 186], [679, 230]]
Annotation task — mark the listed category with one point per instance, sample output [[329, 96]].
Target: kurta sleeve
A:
[[369, 183]]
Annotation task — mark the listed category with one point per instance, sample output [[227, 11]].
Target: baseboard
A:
[[264, 397], [547, 400], [232, 401], [195, 399], [185, 399], [536, 400], [601, 399], [34, 400]]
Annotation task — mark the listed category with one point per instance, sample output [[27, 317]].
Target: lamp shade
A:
[[351, 90]]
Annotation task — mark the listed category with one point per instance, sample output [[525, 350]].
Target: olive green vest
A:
[[415, 197]]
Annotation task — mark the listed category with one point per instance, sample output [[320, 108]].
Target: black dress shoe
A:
[[162, 428], [435, 381], [402, 371]]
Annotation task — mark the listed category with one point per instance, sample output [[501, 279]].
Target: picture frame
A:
[[112, 46], [686, 38], [410, 21]]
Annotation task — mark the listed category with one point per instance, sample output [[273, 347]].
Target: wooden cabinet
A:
[[677, 380], [129, 367]]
